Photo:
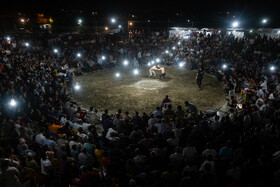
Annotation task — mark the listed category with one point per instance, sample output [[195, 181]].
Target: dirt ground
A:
[[102, 89]]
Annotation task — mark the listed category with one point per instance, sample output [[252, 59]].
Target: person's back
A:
[[158, 113]]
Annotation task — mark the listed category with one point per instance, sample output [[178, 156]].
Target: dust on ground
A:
[[101, 89]]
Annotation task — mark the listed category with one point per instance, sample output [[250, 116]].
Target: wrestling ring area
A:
[[103, 90]]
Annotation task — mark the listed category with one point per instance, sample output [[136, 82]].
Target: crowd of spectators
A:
[[48, 139]]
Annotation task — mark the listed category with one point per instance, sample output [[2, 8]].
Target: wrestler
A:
[[162, 69], [152, 70]]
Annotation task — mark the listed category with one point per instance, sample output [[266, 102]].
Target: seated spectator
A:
[[92, 116], [112, 134], [232, 102], [31, 162], [152, 121], [192, 108], [81, 134], [85, 159], [189, 152], [226, 151], [209, 160], [209, 151], [161, 126], [158, 113], [180, 114]]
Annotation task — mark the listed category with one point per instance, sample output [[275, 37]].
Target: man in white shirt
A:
[[40, 138], [76, 126], [263, 85], [161, 126], [112, 134], [152, 121]]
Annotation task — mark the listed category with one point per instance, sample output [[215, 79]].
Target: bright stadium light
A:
[[79, 55], [173, 47], [235, 24], [264, 21], [55, 50], [157, 60], [224, 66], [8, 38], [120, 26], [113, 20], [181, 64], [125, 62], [166, 52], [149, 64], [135, 72], [13, 103], [80, 21], [77, 86], [179, 43], [26, 44], [272, 68], [251, 31], [152, 62], [117, 74]]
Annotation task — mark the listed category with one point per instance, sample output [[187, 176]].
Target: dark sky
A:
[[248, 12]]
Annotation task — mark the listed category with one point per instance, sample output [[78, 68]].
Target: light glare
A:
[[77, 86], [13, 103], [136, 72], [235, 24]]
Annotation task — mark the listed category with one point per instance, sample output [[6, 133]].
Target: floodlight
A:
[[179, 43], [117, 74], [152, 62], [181, 64], [135, 72], [264, 21], [8, 38], [173, 47], [125, 62], [55, 50], [77, 86], [166, 51], [251, 31], [272, 68], [149, 64], [235, 24], [13, 103], [26, 44], [103, 57], [79, 55], [157, 60], [120, 26], [224, 66], [113, 20]]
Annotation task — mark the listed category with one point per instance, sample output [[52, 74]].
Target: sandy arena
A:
[[101, 89]]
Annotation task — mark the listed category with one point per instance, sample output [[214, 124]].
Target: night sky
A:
[[215, 12]]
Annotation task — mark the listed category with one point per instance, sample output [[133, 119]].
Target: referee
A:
[[199, 77]]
